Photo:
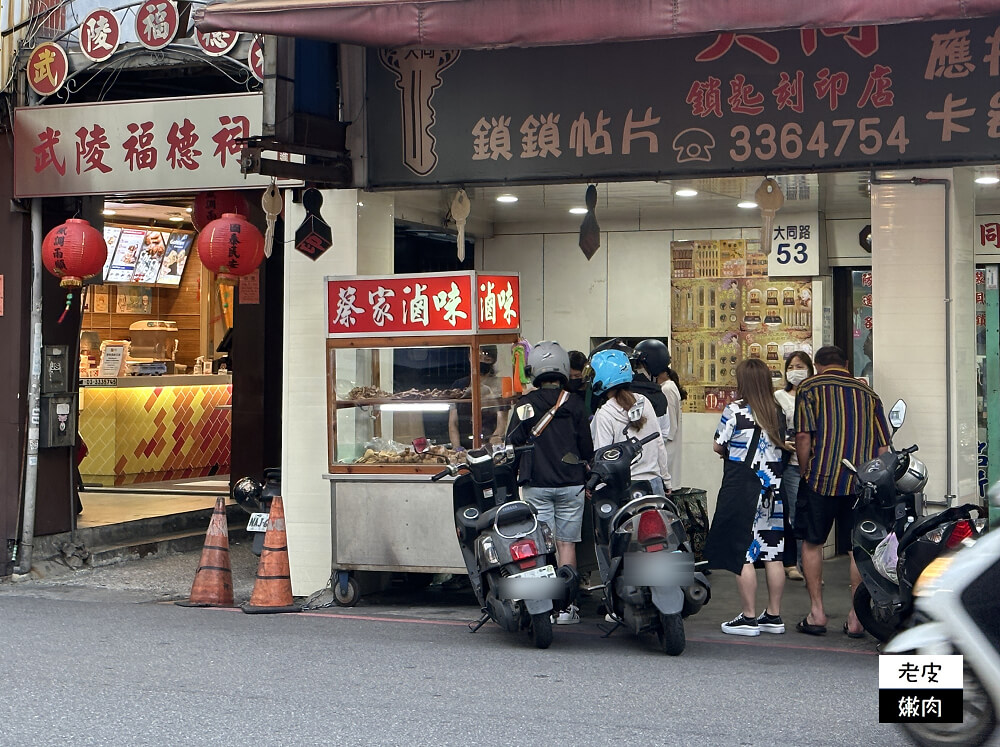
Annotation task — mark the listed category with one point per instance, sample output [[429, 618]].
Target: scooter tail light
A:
[[523, 550], [652, 527], [962, 530], [654, 548]]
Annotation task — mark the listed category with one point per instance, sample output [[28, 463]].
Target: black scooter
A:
[[509, 554], [643, 554], [885, 518], [255, 498]]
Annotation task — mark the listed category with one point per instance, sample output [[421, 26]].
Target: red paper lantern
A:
[[74, 251], [231, 246], [212, 205]]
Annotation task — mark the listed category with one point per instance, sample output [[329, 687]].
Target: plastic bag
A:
[[886, 557]]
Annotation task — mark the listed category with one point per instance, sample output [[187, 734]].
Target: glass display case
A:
[[409, 404]]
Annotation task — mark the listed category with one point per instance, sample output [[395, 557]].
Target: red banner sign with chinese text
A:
[[424, 304]]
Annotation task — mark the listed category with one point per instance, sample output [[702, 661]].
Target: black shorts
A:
[[815, 514]]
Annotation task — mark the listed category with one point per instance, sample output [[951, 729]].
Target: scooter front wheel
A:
[[978, 719], [541, 630], [670, 634]]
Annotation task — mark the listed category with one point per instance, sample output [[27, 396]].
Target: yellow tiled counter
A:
[[151, 428]]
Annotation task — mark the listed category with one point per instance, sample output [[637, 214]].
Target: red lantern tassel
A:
[[69, 302]]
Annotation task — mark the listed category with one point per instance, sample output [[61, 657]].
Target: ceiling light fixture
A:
[[176, 217], [506, 198], [686, 192], [107, 211], [987, 179], [746, 205], [188, 210], [578, 211]]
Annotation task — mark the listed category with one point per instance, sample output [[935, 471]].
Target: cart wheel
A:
[[351, 596]]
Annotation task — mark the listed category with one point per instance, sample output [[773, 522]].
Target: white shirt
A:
[[607, 426]]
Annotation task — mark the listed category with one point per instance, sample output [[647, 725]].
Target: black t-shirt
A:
[[568, 433]]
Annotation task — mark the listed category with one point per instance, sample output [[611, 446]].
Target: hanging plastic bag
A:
[[886, 557]]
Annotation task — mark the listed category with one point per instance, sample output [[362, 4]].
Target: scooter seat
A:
[[508, 513]]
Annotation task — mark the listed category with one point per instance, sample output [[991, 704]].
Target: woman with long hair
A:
[[612, 382], [798, 368], [748, 527]]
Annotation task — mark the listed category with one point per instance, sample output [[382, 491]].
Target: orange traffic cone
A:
[[272, 591], [213, 581]]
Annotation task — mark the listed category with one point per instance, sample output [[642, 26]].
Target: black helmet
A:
[[247, 492], [653, 356]]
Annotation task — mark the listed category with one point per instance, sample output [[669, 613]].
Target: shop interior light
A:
[[987, 179], [176, 217], [188, 209], [417, 407], [578, 211], [107, 211], [746, 205], [686, 192], [506, 198]]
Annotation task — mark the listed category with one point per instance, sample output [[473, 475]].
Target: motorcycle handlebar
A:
[[592, 481], [443, 473], [650, 437], [910, 450]]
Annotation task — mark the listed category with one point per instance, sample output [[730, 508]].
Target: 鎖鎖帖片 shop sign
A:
[[800, 100], [425, 304], [148, 146]]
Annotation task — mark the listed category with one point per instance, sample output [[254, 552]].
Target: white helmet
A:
[[548, 357], [915, 477]]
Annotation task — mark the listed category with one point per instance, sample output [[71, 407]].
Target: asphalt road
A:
[[88, 664]]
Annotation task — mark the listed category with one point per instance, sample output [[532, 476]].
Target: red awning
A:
[[475, 24]]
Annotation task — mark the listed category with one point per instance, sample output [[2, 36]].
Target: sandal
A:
[[851, 634], [804, 626]]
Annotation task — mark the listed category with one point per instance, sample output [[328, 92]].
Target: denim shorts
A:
[[560, 508]]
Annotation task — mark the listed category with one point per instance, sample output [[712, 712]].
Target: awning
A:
[[475, 24]]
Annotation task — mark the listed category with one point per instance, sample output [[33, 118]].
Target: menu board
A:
[[724, 309], [147, 267], [175, 259], [126, 255], [111, 234]]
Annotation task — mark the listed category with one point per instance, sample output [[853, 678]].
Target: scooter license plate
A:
[[537, 583], [257, 523]]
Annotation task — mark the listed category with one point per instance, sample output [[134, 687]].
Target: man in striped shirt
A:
[[836, 417]]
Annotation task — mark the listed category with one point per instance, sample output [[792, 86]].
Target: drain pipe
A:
[[24, 550], [948, 373]]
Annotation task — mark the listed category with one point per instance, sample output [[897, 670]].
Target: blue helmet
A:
[[611, 368]]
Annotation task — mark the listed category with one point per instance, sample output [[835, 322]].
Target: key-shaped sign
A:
[[418, 74], [769, 199], [272, 204], [460, 209]]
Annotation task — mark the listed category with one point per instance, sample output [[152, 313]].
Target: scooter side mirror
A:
[[897, 414], [850, 467]]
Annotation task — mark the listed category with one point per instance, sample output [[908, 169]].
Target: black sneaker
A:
[[770, 623], [741, 625]]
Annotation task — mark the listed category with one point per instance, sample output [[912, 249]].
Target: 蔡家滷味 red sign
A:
[[425, 304]]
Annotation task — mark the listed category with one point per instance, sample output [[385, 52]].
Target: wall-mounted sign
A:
[[795, 100], [100, 35], [424, 304], [154, 145], [255, 58], [216, 43], [47, 68], [156, 24], [794, 245]]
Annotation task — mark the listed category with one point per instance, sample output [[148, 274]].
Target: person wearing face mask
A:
[[577, 364], [798, 367], [460, 415]]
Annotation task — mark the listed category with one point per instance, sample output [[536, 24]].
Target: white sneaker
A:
[[569, 616], [611, 618]]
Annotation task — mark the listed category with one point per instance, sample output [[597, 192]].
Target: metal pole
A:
[[34, 387], [991, 395]]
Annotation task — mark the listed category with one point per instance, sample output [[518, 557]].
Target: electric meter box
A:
[[55, 369], [57, 421]]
